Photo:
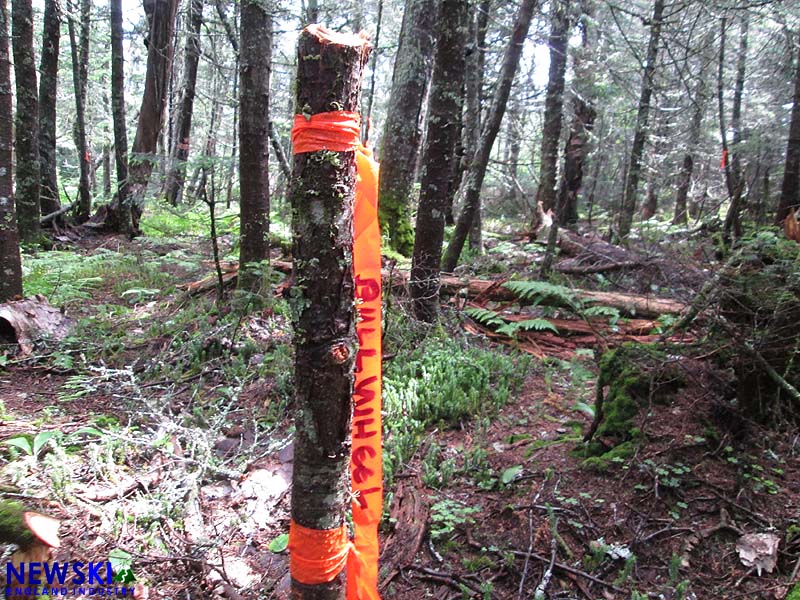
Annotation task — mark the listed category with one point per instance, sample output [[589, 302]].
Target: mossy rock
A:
[[636, 375]]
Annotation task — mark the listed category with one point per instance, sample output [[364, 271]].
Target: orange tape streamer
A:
[[339, 131]]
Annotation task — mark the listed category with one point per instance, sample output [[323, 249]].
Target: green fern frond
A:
[[485, 316], [511, 329], [602, 311], [542, 292]]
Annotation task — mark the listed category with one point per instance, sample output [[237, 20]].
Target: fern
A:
[[542, 292], [511, 329], [602, 311], [485, 316]]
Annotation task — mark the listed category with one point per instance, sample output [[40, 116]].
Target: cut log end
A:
[[325, 35], [43, 527]]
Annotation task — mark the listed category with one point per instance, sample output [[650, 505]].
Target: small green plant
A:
[[446, 516]]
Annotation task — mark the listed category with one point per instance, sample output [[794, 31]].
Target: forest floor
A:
[[159, 433]]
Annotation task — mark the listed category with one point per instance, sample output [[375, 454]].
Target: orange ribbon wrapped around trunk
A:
[[319, 556]]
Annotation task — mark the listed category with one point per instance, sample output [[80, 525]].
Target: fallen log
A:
[[488, 289], [25, 321]]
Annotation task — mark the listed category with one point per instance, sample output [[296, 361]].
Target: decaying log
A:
[[409, 513], [25, 321], [487, 289]]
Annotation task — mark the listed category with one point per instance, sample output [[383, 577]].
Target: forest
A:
[[399, 299]]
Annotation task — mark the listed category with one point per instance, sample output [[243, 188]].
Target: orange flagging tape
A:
[[339, 131]]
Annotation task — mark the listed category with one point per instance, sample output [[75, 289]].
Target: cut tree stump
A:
[[25, 321], [33, 533]]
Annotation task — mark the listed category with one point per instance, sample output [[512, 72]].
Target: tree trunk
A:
[[733, 219], [575, 152], [119, 219], [322, 192], [84, 187], [106, 171], [628, 207], [444, 110], [551, 129], [659, 151], [254, 70], [26, 121], [10, 265], [48, 86], [476, 62], [161, 21], [790, 188], [695, 131], [480, 160], [365, 126], [233, 166], [183, 126], [473, 90], [401, 137]]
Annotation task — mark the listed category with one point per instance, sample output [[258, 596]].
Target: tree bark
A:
[[119, 219], [687, 168], [473, 91], [161, 20], [254, 71], [628, 207], [10, 265], [575, 152], [183, 125], [401, 137], [790, 188], [551, 130], [84, 186], [733, 220], [26, 121], [322, 193], [444, 110], [48, 87], [476, 66], [480, 160]]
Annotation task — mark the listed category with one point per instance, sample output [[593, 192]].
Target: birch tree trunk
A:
[[321, 194]]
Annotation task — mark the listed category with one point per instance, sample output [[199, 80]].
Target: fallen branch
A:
[[58, 213]]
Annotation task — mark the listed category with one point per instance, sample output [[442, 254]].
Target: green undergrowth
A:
[[445, 382]]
